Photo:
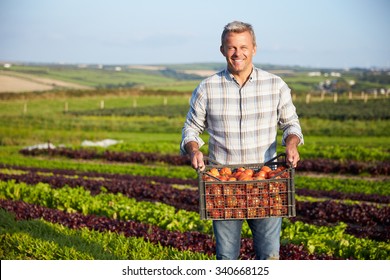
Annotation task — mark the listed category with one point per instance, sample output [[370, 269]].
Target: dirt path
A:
[[16, 82]]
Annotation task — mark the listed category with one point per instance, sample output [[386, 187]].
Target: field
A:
[[138, 199]]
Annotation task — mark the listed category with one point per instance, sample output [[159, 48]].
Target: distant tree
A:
[[340, 86]]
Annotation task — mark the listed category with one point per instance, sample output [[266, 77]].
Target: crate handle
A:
[[205, 158], [208, 174], [211, 160], [212, 176], [268, 162], [274, 158]]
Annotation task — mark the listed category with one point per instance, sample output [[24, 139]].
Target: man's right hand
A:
[[196, 155], [197, 161]]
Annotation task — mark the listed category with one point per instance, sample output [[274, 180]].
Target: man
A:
[[241, 108]]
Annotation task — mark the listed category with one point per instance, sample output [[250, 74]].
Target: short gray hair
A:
[[238, 27]]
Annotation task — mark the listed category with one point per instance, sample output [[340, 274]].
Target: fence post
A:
[[308, 96], [25, 108], [134, 102], [165, 100], [350, 95], [335, 96], [101, 104], [66, 108]]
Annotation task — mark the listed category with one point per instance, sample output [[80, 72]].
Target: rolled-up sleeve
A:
[[195, 122], [288, 118]]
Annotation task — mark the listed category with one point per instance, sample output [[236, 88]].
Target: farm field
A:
[[138, 198]]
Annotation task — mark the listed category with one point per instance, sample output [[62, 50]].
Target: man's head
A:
[[238, 46], [238, 27]]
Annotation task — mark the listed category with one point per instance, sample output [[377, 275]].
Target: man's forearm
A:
[[292, 140], [292, 154], [192, 147]]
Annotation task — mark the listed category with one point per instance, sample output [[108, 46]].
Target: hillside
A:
[[180, 77]]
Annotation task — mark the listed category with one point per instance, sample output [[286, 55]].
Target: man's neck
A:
[[242, 77]]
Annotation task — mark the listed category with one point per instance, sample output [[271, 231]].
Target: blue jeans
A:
[[266, 238]]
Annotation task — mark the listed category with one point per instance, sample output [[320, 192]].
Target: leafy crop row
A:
[[167, 217], [316, 165], [372, 220], [342, 110], [191, 241], [42, 240], [337, 188]]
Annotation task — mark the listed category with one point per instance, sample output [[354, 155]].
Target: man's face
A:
[[238, 49]]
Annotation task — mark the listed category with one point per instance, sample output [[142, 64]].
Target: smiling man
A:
[[241, 107]]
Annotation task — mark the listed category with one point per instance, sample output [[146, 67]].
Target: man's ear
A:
[[221, 49]]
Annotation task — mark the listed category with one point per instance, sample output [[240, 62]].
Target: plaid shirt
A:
[[242, 121]]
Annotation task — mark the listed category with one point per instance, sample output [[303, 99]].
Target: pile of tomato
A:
[[245, 193]]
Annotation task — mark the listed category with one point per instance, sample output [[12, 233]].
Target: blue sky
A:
[[321, 33]]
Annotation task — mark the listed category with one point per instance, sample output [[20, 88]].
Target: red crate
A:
[[221, 199]]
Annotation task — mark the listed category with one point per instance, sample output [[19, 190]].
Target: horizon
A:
[[9, 64]]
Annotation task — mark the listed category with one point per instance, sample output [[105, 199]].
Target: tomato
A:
[[282, 187], [261, 212], [214, 171], [216, 214], [209, 204], [239, 190], [239, 214], [285, 174], [225, 171], [266, 169], [228, 213], [261, 173], [216, 190], [275, 212], [255, 191], [228, 190], [254, 201], [219, 202], [274, 188], [231, 201], [280, 168], [241, 202], [244, 177], [249, 172], [272, 174], [237, 174], [252, 212]]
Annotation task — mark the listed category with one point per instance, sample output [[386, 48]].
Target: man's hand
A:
[[292, 154], [197, 161]]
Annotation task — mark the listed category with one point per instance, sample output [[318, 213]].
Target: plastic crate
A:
[[249, 199]]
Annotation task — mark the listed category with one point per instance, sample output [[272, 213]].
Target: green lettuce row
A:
[[343, 185]]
